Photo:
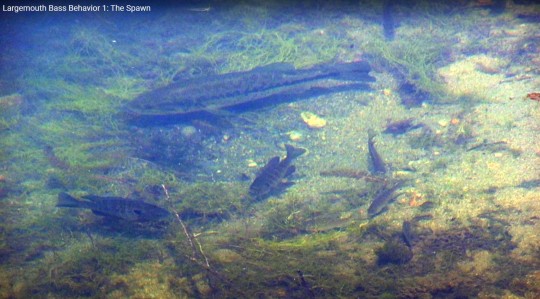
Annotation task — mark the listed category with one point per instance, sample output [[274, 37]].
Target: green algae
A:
[[393, 252], [84, 270], [123, 88], [10, 117], [248, 50], [94, 53], [92, 102], [415, 59], [10, 111], [210, 200]]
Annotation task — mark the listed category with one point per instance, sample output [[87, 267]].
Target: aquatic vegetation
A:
[[9, 111], [345, 173], [86, 155], [90, 101], [93, 53], [247, 50], [84, 270], [285, 219], [9, 117], [210, 200], [424, 138], [124, 88], [415, 59], [462, 134], [393, 252]]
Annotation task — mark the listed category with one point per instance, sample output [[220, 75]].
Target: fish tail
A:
[[67, 201], [293, 152], [371, 134]]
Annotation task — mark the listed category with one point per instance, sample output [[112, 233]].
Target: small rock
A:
[[313, 121], [295, 135], [443, 123]]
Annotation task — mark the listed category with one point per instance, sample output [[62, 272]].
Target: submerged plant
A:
[[414, 59]]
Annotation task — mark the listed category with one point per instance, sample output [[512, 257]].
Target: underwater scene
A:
[[270, 149]]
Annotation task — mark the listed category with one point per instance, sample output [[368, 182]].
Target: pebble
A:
[[443, 123], [295, 136], [313, 121]]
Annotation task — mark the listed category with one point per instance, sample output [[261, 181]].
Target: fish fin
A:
[[284, 185], [272, 163], [373, 213], [91, 197], [67, 201], [101, 213], [280, 188], [293, 152], [108, 216], [289, 171], [95, 198]]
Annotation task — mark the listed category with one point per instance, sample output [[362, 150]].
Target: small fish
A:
[[382, 198], [500, 145], [407, 233], [401, 126], [117, 207], [378, 167], [273, 173]]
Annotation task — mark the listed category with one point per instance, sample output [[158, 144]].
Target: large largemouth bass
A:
[[116, 207], [211, 93]]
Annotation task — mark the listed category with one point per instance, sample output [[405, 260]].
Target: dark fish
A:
[[273, 173], [382, 198], [271, 82], [401, 126], [498, 6], [388, 19], [377, 165], [423, 217], [499, 145], [407, 233], [426, 206], [529, 18], [117, 207]]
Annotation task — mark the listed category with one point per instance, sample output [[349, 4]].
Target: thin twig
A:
[[186, 232], [192, 240]]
